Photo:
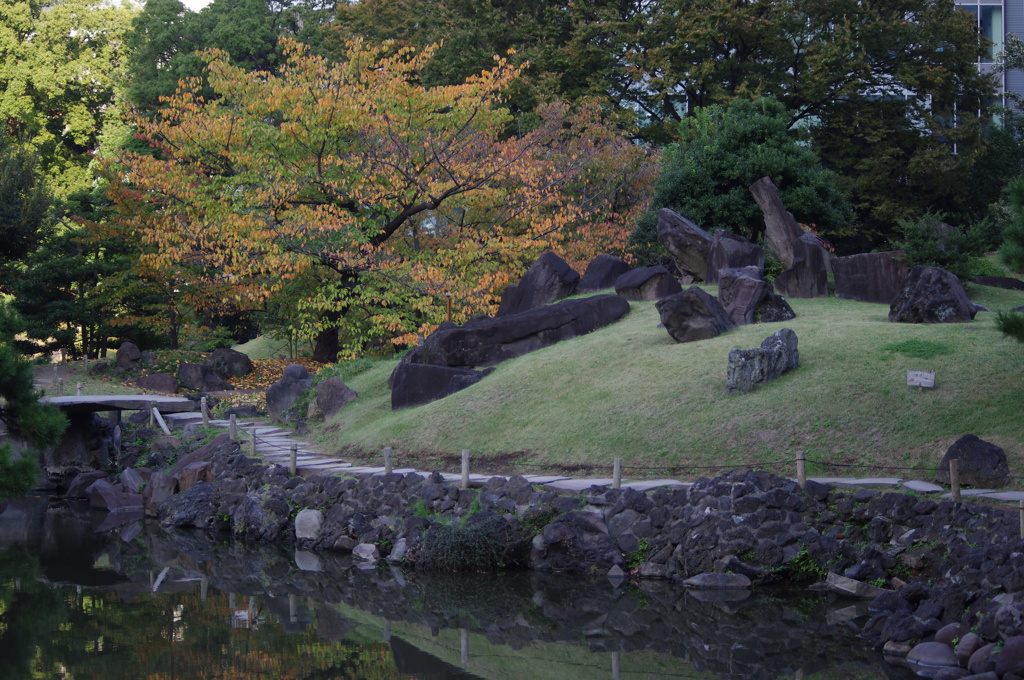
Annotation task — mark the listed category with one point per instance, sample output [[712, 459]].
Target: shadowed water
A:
[[134, 601]]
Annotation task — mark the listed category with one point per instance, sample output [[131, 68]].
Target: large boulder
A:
[[694, 315], [979, 463], [201, 377], [282, 395], [747, 368], [870, 277], [687, 243], [158, 382], [781, 230], [806, 260], [413, 384], [486, 341], [602, 273], [808, 277], [230, 363], [740, 291], [332, 394], [772, 309], [576, 542], [931, 295], [1005, 282], [127, 354], [729, 251], [647, 283], [548, 280]]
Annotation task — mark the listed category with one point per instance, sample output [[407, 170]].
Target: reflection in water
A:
[[138, 602]]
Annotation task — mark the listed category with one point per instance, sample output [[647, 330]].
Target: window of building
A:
[[990, 27]]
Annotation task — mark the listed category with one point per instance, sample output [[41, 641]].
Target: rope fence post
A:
[[387, 460], [617, 474], [293, 456], [1021, 505], [252, 441], [464, 646], [233, 428], [465, 469], [801, 469], [954, 480], [150, 408], [205, 411], [78, 389]]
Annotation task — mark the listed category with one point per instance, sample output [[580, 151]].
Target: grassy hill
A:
[[629, 390]]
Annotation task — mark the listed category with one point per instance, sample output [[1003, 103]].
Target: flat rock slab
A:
[[649, 484], [578, 485], [91, 403], [543, 479], [475, 481], [1008, 496], [922, 487], [870, 481], [396, 471], [970, 492]]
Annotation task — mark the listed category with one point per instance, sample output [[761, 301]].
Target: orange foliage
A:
[[398, 194]]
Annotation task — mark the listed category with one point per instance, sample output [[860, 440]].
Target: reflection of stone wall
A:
[[763, 636]]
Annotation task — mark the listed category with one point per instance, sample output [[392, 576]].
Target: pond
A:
[[87, 596]]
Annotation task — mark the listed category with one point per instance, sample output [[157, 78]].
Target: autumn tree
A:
[[391, 194]]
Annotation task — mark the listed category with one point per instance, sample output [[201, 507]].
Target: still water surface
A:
[[86, 597]]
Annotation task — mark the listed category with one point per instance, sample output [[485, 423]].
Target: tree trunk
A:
[[326, 349]]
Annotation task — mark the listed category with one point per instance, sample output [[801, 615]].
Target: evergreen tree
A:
[[24, 417], [1012, 323]]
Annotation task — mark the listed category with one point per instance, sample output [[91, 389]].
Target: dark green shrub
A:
[[929, 241], [706, 176], [17, 477], [484, 543]]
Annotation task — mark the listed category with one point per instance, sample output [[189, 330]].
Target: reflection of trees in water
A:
[[128, 631]]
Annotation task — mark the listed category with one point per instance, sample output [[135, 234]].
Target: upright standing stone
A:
[[806, 260], [687, 243], [729, 251], [870, 277]]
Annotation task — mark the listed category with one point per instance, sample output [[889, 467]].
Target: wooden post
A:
[[151, 408], [1022, 520], [78, 389], [387, 460], [160, 420], [617, 474], [616, 667], [252, 441], [293, 464], [387, 630], [954, 480], [293, 609], [204, 588], [464, 646], [233, 428], [205, 411], [465, 469], [801, 469]]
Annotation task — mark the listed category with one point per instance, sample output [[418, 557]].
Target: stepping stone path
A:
[[274, 445]]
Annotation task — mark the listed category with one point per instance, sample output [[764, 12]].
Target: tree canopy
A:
[[706, 176], [398, 194]]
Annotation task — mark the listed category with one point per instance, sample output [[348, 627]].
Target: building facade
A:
[[997, 19]]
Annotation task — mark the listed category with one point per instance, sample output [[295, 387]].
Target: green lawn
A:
[[629, 390]]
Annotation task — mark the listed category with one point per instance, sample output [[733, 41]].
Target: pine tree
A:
[[1012, 323]]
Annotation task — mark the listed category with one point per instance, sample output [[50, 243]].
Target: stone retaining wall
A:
[[945, 563]]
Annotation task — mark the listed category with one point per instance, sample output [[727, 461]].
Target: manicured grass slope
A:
[[629, 390]]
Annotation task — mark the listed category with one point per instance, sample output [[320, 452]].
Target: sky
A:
[[195, 5]]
